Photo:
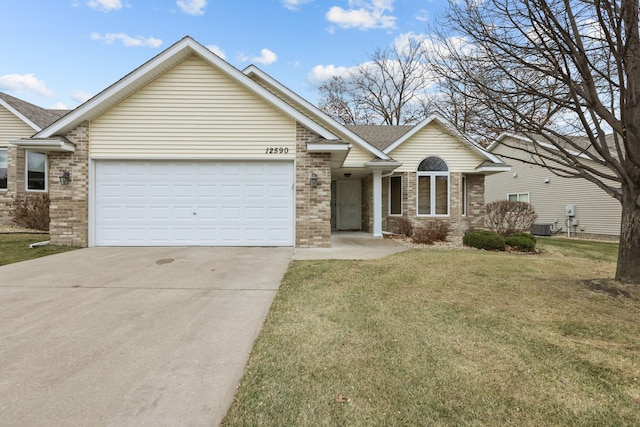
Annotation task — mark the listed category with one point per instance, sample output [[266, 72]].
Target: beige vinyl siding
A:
[[597, 212], [358, 156], [433, 141], [193, 111], [12, 127]]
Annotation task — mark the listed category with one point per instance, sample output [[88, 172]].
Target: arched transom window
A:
[[433, 187]]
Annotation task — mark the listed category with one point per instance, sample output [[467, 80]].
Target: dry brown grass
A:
[[447, 337]]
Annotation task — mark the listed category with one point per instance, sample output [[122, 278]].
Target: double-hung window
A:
[[433, 187], [36, 171], [3, 169]]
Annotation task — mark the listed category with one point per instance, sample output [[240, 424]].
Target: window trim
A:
[[401, 193], [26, 172], [518, 196], [432, 183], [6, 150]]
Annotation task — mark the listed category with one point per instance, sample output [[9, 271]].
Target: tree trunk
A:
[[628, 270]]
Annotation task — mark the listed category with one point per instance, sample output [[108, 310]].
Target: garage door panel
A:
[[193, 203]]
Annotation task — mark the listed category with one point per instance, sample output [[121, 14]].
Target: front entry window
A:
[[36, 171], [395, 195], [433, 187], [3, 169]]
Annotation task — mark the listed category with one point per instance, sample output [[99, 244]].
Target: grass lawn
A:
[[448, 337], [15, 247]]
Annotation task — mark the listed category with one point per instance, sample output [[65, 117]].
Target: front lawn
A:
[[447, 337], [15, 247]]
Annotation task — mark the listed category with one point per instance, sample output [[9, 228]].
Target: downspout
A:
[[35, 245]]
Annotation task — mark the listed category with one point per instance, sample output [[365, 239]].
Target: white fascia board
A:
[[325, 148], [504, 168], [252, 69], [505, 135], [383, 165], [139, 77], [19, 115], [45, 145], [545, 145], [131, 81]]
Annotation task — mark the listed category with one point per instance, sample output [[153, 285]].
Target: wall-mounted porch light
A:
[[65, 178], [313, 180]]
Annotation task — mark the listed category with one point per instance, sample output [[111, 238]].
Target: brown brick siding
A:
[[69, 209], [313, 205], [459, 223], [367, 204]]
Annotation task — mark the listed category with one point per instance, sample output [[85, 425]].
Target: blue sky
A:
[[57, 53]]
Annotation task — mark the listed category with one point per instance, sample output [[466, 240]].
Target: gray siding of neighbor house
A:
[[598, 213], [11, 127]]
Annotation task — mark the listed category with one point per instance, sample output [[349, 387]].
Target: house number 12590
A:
[[277, 150]]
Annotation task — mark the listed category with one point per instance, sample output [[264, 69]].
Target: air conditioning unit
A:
[[541, 230]]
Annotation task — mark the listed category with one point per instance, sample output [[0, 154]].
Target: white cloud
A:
[[401, 42], [294, 4], [363, 15], [192, 7], [105, 5], [81, 96], [59, 106], [126, 40], [215, 49], [266, 57], [423, 15], [24, 83], [321, 73]]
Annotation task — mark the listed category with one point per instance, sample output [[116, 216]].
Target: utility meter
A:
[[570, 210]]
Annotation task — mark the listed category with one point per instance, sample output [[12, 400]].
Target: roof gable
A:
[[315, 113], [448, 127], [33, 116], [156, 67], [380, 136]]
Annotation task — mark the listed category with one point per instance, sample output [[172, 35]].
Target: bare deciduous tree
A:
[[553, 70], [387, 89]]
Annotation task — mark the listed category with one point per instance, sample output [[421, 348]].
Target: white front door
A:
[[193, 203], [348, 205]]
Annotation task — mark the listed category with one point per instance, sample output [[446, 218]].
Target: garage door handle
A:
[[194, 213]]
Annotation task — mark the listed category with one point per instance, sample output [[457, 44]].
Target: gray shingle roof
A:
[[40, 116], [380, 136]]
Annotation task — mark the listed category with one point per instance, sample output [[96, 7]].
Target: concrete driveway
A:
[[131, 336]]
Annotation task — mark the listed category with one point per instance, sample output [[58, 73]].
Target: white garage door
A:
[[159, 203]]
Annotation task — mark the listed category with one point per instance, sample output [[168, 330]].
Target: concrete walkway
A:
[[352, 245], [131, 336]]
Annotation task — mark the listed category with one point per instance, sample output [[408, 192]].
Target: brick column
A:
[[313, 205], [69, 208]]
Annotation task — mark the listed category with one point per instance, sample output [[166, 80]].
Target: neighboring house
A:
[[596, 214], [21, 171], [188, 150]]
